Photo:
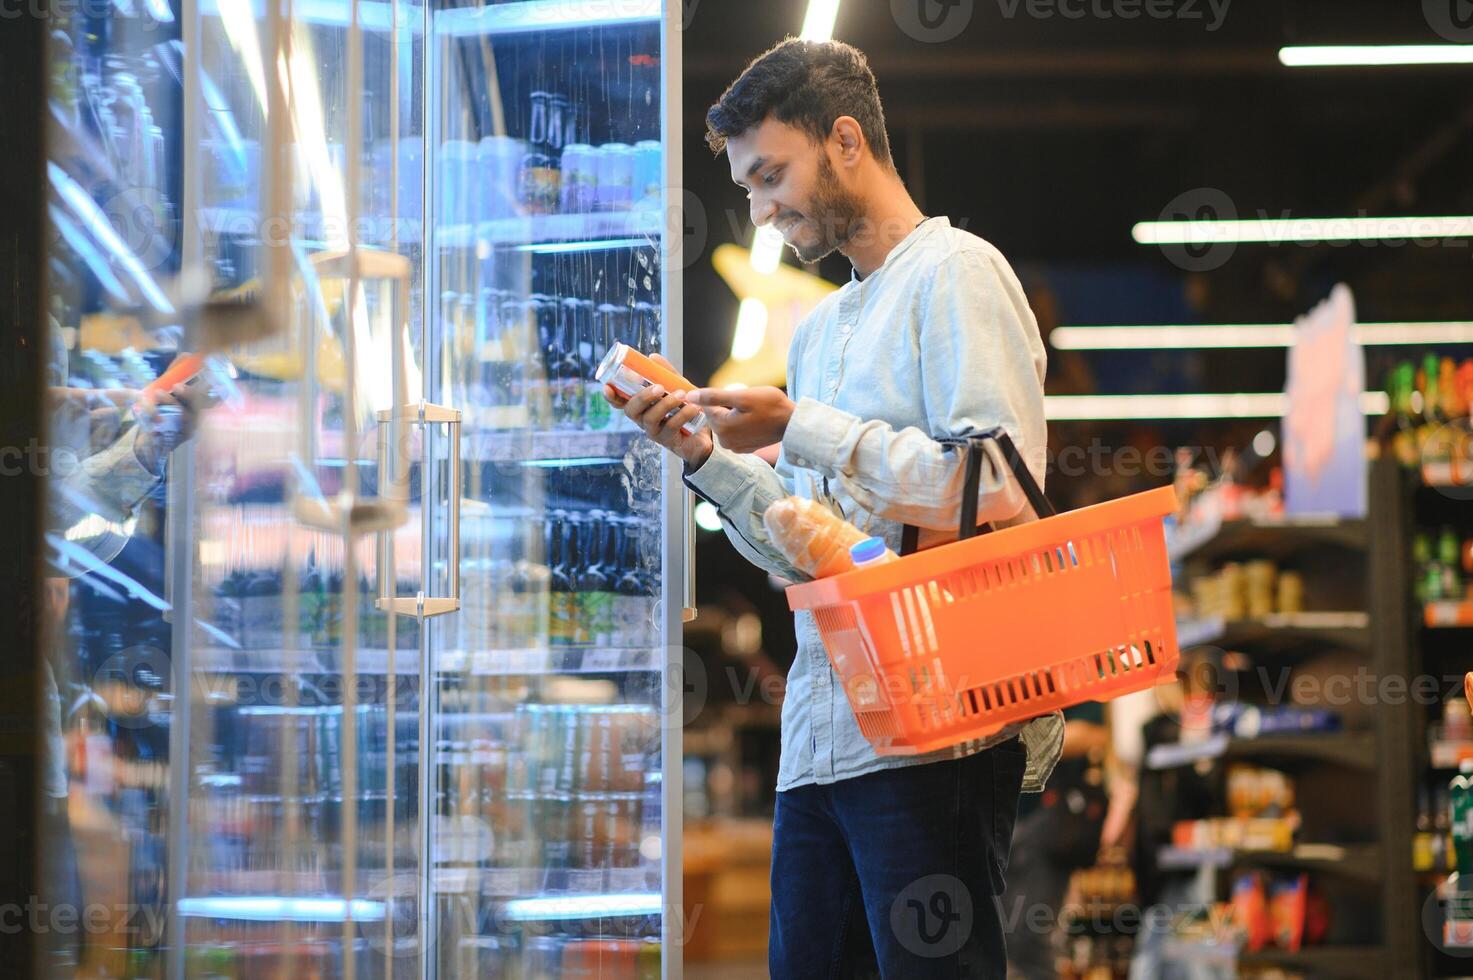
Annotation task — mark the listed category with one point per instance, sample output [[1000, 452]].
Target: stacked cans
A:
[[579, 783]]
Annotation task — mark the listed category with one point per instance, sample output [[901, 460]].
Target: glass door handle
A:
[[688, 602], [421, 605]]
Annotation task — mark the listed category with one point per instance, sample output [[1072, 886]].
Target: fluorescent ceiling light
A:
[[1374, 55], [1245, 405], [767, 250], [1247, 335], [818, 24], [707, 518], [751, 329], [1301, 230]]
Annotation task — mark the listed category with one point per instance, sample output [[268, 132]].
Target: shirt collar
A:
[[926, 227]]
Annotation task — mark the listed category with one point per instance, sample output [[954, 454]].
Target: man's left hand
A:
[[745, 419]]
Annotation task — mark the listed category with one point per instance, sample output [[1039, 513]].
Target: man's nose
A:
[[762, 212]]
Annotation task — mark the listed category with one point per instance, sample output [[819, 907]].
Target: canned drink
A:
[[622, 815], [554, 823], [569, 725], [590, 823], [595, 753], [629, 372], [579, 179], [615, 190], [648, 178], [498, 159]]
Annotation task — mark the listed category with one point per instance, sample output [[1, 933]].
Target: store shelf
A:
[[550, 882], [1441, 476], [568, 660], [1448, 614], [1265, 537], [1340, 748], [544, 446], [1331, 961], [1361, 861], [1278, 631], [542, 229]]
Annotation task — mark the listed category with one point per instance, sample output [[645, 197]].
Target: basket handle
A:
[[972, 483]]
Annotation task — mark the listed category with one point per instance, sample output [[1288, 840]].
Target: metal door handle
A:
[[688, 603], [421, 605]]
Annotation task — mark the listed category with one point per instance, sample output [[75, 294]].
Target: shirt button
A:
[[844, 330]]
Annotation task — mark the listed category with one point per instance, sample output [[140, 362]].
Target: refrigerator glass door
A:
[[302, 837], [544, 805]]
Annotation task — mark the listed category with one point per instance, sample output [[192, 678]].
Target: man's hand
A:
[[745, 419], [160, 433], [660, 414]]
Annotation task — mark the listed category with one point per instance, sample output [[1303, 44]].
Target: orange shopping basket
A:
[[958, 641]]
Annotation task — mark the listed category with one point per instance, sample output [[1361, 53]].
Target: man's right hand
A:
[[660, 414]]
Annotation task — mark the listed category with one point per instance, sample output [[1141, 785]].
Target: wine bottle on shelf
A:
[[594, 591], [562, 599]]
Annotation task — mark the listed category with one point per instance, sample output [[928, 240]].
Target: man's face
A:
[[792, 185]]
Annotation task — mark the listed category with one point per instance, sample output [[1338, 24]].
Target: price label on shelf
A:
[[603, 658]]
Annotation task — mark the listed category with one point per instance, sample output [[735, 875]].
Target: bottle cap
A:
[[1466, 765], [868, 550]]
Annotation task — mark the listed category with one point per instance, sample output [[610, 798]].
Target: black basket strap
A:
[[972, 481]]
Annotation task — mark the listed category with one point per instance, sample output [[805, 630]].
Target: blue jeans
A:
[[896, 873]]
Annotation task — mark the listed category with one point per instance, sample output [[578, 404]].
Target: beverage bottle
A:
[[572, 392], [1448, 548], [541, 321], [1460, 806], [561, 610], [631, 596], [591, 349], [594, 592], [870, 551]]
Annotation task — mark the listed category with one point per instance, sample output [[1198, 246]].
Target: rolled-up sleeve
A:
[[982, 366]]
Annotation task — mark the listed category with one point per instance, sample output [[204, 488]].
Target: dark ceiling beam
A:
[[957, 64], [933, 118]]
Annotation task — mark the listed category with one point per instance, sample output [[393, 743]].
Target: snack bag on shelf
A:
[[814, 538]]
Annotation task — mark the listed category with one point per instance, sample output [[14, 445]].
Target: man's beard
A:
[[834, 211]]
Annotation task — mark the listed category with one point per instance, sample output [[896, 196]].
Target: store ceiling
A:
[[1051, 136]]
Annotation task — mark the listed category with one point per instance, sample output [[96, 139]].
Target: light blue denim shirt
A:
[[936, 343]]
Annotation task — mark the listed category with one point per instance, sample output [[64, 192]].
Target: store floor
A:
[[743, 969]]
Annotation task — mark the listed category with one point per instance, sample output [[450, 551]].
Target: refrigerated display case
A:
[[363, 608]]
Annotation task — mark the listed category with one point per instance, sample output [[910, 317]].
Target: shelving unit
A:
[[1378, 637]]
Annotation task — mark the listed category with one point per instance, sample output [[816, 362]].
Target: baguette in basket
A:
[[813, 537]]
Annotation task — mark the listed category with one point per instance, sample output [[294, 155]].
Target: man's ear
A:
[[849, 135]]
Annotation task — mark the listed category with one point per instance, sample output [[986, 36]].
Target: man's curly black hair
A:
[[807, 84]]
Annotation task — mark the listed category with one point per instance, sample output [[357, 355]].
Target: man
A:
[[895, 862]]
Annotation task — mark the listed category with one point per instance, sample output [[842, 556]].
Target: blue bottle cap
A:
[[868, 550]]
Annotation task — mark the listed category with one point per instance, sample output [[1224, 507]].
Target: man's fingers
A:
[[614, 398], [681, 418], [718, 397]]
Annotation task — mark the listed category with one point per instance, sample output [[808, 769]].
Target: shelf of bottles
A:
[[547, 173]]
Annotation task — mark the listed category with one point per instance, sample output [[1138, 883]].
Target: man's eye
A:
[[771, 178]]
